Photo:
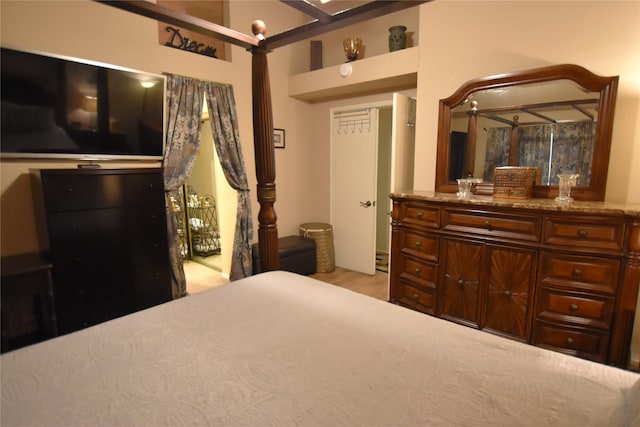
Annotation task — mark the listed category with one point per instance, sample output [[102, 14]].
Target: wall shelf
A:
[[391, 71]]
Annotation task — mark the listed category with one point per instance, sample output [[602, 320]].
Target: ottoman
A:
[[296, 253]]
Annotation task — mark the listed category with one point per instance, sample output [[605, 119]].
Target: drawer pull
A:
[[419, 215], [569, 341], [573, 307], [417, 271], [69, 190], [416, 296], [461, 282], [577, 272], [507, 293], [583, 233], [487, 224], [418, 244]]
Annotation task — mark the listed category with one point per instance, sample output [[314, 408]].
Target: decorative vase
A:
[[567, 182], [352, 47], [397, 37]]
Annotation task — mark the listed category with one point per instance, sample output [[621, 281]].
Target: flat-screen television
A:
[[58, 107]]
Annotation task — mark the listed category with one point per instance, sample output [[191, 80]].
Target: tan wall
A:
[[88, 30], [458, 41], [462, 40]]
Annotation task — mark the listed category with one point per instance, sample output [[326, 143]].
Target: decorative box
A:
[[515, 182]]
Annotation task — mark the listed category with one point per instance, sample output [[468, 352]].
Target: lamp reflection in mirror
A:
[[90, 105]]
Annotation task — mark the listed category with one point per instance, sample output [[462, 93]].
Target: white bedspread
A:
[[280, 349]]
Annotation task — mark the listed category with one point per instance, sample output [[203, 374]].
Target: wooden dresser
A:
[[106, 231], [559, 277]]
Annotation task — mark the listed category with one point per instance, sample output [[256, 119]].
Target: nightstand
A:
[[27, 301]]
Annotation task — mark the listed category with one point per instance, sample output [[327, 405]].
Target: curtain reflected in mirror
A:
[[555, 149]]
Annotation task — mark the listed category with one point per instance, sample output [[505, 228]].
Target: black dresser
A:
[[106, 231]]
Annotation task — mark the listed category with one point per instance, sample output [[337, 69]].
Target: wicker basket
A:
[[515, 182], [323, 235]]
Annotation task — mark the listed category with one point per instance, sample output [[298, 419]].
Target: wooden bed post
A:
[[264, 154], [514, 145], [470, 150]]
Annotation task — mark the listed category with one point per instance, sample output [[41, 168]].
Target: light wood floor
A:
[[375, 286], [200, 278]]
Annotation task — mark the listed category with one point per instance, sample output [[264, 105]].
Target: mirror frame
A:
[[607, 87]]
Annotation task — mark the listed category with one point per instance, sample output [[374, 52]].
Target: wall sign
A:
[[174, 36], [178, 41]]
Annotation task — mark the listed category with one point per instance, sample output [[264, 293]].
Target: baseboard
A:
[[224, 275]]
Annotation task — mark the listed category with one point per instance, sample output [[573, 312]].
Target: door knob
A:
[[367, 204]]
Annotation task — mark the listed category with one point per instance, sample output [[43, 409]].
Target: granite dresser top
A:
[[538, 204]]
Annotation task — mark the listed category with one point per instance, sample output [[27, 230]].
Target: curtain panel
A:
[[224, 126], [184, 112], [185, 97]]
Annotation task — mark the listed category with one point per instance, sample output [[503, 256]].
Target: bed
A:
[[279, 349], [324, 17]]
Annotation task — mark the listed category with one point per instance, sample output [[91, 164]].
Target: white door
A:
[[354, 145], [402, 143]]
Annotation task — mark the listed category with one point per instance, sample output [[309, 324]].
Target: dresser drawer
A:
[[580, 272], [419, 273], [149, 250], [151, 285], [600, 233], [492, 224], [89, 260], [577, 308], [146, 219], [91, 227], [416, 213], [419, 245], [69, 192], [144, 189], [585, 343], [416, 298]]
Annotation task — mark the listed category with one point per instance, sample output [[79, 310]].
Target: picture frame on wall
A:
[[278, 138]]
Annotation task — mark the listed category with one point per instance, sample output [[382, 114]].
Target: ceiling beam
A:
[[182, 20], [324, 22], [308, 8], [342, 19]]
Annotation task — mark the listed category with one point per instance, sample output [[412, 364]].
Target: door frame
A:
[[369, 105]]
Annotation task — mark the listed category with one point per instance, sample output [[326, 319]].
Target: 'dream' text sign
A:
[[174, 36]]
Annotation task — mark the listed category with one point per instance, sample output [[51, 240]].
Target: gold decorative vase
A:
[[352, 47]]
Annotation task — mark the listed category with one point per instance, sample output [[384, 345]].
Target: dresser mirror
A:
[[558, 119]]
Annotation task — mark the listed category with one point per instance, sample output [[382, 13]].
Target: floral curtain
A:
[[535, 148], [497, 153], [573, 145], [184, 113], [185, 96], [224, 125], [555, 148]]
